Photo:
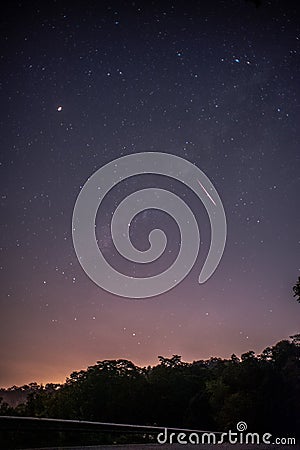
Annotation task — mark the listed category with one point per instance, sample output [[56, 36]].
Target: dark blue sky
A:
[[216, 83]]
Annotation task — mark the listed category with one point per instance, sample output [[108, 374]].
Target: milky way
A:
[[216, 83]]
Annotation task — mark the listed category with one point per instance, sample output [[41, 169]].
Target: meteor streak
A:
[[208, 195]]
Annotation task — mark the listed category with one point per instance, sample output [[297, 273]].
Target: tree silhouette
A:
[[214, 394], [296, 290]]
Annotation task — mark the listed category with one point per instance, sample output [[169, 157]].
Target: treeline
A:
[[15, 395], [262, 390]]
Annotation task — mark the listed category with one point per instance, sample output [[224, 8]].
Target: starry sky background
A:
[[82, 84]]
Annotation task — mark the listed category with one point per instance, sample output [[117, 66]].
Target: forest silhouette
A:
[[261, 389]]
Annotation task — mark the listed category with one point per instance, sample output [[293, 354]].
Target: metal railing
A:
[[7, 422], [21, 432]]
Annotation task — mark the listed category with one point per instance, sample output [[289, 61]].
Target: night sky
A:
[[82, 84]]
